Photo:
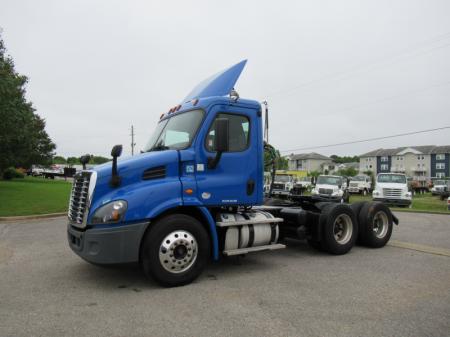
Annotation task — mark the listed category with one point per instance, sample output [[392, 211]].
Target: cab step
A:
[[241, 251], [248, 222]]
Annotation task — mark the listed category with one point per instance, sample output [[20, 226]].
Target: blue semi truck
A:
[[195, 194]]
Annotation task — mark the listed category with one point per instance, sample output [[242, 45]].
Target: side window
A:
[[239, 132]]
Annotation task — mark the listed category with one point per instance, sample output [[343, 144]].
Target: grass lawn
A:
[[30, 196], [420, 203]]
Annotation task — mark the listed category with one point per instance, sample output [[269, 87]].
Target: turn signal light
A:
[[189, 191]]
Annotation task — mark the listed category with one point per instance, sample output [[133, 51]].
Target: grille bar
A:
[[392, 192], [79, 198]]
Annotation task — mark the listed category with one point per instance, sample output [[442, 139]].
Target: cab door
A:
[[234, 181]]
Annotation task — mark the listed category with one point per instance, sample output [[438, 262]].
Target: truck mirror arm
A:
[[212, 162]]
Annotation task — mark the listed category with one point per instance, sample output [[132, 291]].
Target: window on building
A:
[[440, 157], [384, 159], [384, 167], [440, 166], [440, 175]]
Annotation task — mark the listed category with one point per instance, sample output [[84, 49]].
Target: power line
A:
[[370, 66], [367, 140]]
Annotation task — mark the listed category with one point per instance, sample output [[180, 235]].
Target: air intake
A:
[[154, 173]]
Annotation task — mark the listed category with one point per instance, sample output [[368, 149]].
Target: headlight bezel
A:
[[110, 213]]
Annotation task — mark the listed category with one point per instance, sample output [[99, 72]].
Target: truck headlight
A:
[[111, 212], [314, 191], [408, 194], [376, 193], [337, 193]]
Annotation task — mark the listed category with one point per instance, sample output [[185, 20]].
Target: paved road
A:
[[45, 290]]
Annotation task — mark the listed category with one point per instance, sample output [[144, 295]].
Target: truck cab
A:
[[392, 189], [360, 184], [331, 187], [283, 185], [195, 194]]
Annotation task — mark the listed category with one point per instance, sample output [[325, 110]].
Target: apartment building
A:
[[418, 162], [309, 162]]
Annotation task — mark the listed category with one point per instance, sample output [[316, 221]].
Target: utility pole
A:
[[132, 141]]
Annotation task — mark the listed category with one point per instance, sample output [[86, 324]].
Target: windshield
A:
[[176, 132], [391, 178], [328, 180], [359, 178], [282, 178]]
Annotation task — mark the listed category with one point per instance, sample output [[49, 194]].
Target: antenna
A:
[[266, 121], [133, 144]]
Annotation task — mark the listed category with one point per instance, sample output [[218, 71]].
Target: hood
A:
[[131, 168], [219, 84], [391, 185], [331, 187]]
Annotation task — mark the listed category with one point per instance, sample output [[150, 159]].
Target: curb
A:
[[418, 212], [32, 217]]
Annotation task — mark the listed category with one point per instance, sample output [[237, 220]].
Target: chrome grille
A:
[[325, 191], [277, 186], [79, 198], [353, 184], [392, 192]]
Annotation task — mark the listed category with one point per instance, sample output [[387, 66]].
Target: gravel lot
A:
[[46, 290]]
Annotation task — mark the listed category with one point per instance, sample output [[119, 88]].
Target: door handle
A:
[[250, 186]]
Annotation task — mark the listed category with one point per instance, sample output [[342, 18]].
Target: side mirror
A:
[[115, 178], [221, 132], [221, 136], [116, 151], [84, 160]]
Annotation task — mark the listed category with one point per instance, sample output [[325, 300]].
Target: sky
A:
[[331, 71]]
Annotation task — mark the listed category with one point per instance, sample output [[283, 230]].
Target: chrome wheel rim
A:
[[380, 224], [343, 229], [178, 251]]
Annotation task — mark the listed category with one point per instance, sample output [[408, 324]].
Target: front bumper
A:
[[354, 190], [399, 202], [107, 245], [280, 192]]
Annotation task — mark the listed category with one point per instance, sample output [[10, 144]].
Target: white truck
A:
[[282, 185], [439, 187], [392, 189], [360, 184], [331, 187]]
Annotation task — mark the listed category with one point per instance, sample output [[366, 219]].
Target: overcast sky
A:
[[332, 71]]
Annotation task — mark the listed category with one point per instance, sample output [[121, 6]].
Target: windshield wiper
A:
[[159, 147]]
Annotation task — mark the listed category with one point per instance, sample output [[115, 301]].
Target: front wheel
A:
[[175, 250]]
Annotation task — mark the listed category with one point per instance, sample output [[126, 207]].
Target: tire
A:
[[339, 229], [357, 207], [375, 224], [170, 236], [364, 192]]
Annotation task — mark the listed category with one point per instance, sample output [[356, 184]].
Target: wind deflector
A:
[[219, 84]]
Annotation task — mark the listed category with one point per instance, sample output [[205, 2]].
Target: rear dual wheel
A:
[[375, 224], [339, 229]]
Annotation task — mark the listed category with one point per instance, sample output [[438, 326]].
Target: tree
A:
[[344, 159], [73, 161], [23, 139], [347, 172], [281, 163], [59, 160], [98, 160]]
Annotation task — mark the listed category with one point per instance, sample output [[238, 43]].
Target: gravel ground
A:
[[46, 290]]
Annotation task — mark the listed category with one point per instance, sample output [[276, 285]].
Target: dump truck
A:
[[195, 195]]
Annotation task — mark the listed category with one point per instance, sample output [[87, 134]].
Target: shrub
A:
[[11, 173]]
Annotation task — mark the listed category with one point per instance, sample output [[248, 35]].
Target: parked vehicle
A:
[[196, 193], [283, 185], [439, 187], [302, 185], [392, 189], [331, 187], [361, 184]]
